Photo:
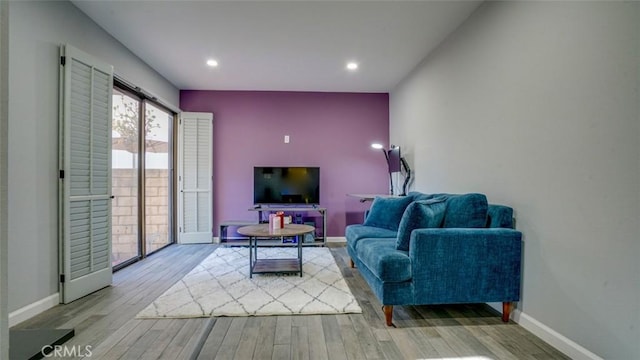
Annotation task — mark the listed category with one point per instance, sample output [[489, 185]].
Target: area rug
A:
[[220, 286]]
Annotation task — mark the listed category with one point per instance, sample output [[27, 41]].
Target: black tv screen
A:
[[286, 185]]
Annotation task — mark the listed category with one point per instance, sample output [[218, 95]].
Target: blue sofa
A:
[[425, 249]]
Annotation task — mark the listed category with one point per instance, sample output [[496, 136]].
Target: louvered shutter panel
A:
[[195, 153], [85, 161]]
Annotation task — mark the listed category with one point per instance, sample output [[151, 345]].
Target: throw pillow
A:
[[418, 196], [500, 216], [386, 212], [419, 215], [466, 211]]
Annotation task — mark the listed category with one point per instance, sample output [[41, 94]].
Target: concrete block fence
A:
[[124, 212]]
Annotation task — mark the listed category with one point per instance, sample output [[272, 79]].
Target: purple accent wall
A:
[[333, 131]]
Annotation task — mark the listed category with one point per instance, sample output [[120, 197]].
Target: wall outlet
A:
[[286, 139]]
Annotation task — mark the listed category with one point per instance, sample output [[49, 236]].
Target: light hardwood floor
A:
[[105, 320]]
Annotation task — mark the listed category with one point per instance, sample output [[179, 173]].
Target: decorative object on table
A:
[[310, 237], [276, 221], [292, 240], [220, 286]]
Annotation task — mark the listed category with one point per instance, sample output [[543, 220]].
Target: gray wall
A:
[[4, 115], [536, 104], [36, 30]]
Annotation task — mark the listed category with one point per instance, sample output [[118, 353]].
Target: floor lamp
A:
[[407, 170]]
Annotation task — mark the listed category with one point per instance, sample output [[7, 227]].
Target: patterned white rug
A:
[[220, 286]]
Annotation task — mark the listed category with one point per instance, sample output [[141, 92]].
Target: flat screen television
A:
[[286, 185]]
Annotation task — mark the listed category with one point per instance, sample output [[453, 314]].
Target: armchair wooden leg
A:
[[351, 264], [388, 314], [506, 311]]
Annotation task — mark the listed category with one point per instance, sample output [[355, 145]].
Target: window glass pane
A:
[[157, 177], [124, 181]]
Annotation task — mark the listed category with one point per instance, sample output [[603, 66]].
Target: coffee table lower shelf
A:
[[262, 266], [288, 265]]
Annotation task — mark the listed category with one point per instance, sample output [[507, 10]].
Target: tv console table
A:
[[322, 240]]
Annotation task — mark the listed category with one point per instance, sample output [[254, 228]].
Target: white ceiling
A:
[[280, 45]]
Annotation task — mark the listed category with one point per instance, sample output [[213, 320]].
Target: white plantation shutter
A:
[[194, 178], [85, 184]]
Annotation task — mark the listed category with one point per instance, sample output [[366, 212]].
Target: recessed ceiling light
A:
[[212, 63], [352, 66]]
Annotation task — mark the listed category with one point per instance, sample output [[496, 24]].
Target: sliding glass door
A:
[[125, 147], [142, 158], [157, 171]]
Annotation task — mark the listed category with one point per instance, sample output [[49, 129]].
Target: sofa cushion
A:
[[359, 231], [387, 212], [355, 232], [500, 216], [419, 215], [466, 211], [383, 260]]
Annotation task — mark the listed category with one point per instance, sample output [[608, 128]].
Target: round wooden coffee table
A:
[[263, 231]]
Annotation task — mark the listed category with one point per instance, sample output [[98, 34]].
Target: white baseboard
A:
[[552, 337], [33, 309]]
